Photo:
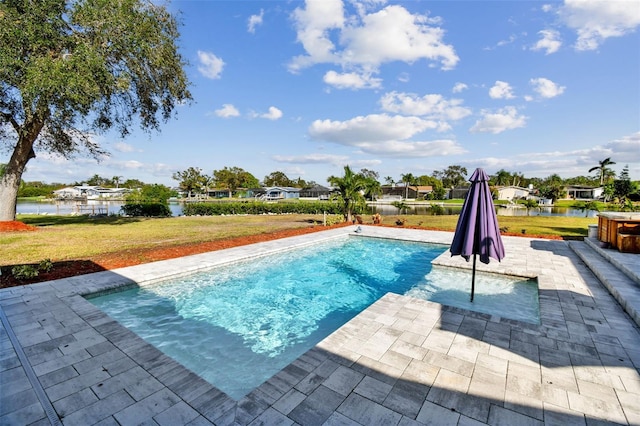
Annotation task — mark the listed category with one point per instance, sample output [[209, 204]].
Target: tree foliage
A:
[[191, 181], [624, 187], [408, 179], [151, 193], [552, 187], [604, 172], [452, 176], [350, 187], [69, 70], [233, 178]]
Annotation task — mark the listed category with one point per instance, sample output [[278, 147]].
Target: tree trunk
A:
[[9, 185], [10, 181]]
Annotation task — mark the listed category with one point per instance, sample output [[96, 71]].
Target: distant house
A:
[[317, 191], [584, 192], [400, 190], [87, 192], [511, 193], [281, 193], [218, 193], [458, 192], [68, 193]]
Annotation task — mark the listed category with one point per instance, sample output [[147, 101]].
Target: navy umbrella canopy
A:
[[477, 232]]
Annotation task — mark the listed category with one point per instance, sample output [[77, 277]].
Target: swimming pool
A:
[[237, 325]]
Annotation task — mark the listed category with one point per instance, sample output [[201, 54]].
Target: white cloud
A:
[[549, 42], [313, 24], [51, 158], [412, 149], [365, 41], [597, 20], [382, 134], [432, 106], [227, 111], [512, 38], [459, 87], [404, 77], [254, 21], [625, 150], [210, 65], [501, 90], [546, 88], [375, 127], [504, 119], [311, 159], [393, 34], [123, 147], [273, 114], [351, 80]]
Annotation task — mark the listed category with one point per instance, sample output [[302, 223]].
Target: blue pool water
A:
[[238, 325]]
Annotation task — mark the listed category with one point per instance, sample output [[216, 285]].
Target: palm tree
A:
[[350, 186], [408, 179], [604, 171], [116, 181], [372, 188]]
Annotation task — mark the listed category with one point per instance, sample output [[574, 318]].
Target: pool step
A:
[[618, 273], [628, 263]]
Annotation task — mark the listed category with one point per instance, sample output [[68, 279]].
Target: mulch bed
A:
[[14, 226], [121, 259]]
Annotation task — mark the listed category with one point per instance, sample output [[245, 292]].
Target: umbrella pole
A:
[[473, 278]]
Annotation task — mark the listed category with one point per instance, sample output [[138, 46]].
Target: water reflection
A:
[[67, 207]]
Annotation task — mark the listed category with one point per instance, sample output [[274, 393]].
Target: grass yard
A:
[[82, 237]]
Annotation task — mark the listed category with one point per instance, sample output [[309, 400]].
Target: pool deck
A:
[[402, 361]]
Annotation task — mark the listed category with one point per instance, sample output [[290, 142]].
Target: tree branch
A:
[[9, 118]]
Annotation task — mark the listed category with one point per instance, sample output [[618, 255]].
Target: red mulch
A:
[[13, 226], [70, 268]]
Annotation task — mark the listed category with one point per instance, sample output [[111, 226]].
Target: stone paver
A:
[[402, 361]]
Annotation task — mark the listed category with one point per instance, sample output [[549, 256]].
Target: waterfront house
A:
[[511, 193]]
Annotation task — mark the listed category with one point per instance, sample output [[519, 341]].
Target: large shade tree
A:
[[234, 178], [73, 69], [191, 181]]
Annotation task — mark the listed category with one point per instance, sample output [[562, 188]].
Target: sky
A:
[[306, 88]]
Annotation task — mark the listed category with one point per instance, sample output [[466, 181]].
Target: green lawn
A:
[[81, 237]]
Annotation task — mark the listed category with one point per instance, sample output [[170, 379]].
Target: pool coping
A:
[[392, 348]]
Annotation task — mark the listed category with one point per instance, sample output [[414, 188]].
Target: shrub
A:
[[334, 219], [45, 265], [24, 272], [259, 207], [146, 209], [437, 209]]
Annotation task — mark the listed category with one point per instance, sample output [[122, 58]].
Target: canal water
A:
[[113, 207]]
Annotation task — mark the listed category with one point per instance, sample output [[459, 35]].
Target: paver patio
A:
[[402, 361]]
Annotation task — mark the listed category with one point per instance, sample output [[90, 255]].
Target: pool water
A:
[[238, 325]]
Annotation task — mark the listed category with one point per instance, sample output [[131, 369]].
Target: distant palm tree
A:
[[408, 179], [604, 171], [351, 186], [116, 181]]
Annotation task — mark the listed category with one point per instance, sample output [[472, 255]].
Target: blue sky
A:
[[396, 87]]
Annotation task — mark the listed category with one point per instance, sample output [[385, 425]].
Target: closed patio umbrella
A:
[[477, 231]]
